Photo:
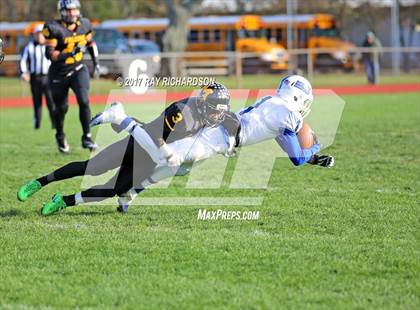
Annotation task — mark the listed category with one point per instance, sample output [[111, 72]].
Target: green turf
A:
[[13, 87], [341, 238]]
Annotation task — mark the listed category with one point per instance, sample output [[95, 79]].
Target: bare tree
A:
[[176, 35]]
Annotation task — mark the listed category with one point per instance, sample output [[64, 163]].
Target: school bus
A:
[[15, 36], [265, 36], [313, 31], [213, 33]]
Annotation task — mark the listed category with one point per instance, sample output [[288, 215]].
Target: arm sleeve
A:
[[23, 64], [91, 45], [142, 138], [93, 52], [290, 144], [170, 122]]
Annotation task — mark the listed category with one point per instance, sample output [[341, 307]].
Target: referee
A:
[[34, 67]]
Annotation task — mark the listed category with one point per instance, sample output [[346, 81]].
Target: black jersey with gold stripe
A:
[[179, 120], [67, 42], [182, 119]]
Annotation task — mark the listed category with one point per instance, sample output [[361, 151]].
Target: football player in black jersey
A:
[[67, 39], [137, 155]]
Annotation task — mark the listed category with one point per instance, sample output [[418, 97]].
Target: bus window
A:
[[193, 36], [7, 40], [328, 32], [126, 35], [206, 36], [136, 35], [230, 45], [302, 37], [278, 35], [159, 38], [268, 34], [244, 33], [21, 41], [217, 35], [147, 35]]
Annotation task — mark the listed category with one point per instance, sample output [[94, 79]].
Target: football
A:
[[306, 136]]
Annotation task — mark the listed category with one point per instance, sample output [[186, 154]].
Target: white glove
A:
[[173, 159], [231, 152]]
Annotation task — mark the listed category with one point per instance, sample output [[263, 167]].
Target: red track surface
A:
[[12, 102]]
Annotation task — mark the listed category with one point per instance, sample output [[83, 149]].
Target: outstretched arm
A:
[[290, 144], [142, 137]]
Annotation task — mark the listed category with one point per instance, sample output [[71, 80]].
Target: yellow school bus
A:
[[264, 35], [251, 36], [15, 36], [313, 31], [214, 33]]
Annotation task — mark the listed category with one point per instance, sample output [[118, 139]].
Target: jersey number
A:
[[71, 41]]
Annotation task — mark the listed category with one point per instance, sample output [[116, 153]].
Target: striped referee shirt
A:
[[33, 59]]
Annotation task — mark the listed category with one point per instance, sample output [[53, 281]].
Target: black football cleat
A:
[[87, 143], [62, 144], [122, 208]]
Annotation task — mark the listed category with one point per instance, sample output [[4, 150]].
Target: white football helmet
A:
[[297, 92]]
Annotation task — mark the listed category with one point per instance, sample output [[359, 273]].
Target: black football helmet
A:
[[213, 103], [63, 6]]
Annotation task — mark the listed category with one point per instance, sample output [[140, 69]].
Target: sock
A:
[[78, 198], [146, 183], [69, 200], [46, 179]]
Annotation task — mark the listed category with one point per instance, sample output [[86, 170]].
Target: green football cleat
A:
[[56, 204], [27, 190]]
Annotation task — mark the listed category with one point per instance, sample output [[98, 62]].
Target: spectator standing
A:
[[370, 60]]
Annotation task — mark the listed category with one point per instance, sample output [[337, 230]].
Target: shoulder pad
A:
[[50, 29], [86, 24]]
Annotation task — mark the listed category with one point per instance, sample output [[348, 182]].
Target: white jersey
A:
[[204, 144], [265, 119]]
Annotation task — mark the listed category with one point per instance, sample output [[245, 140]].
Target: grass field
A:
[[341, 238]]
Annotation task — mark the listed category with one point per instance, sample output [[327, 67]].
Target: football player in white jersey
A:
[[278, 117]]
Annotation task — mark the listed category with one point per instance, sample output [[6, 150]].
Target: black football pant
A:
[[39, 88], [78, 81], [134, 163]]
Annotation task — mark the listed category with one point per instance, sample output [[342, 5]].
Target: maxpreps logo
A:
[[1, 51], [208, 215]]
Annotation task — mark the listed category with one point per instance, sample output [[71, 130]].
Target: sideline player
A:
[[138, 157], [67, 39]]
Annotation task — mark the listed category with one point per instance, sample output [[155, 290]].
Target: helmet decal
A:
[[297, 92], [302, 87], [206, 91]]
